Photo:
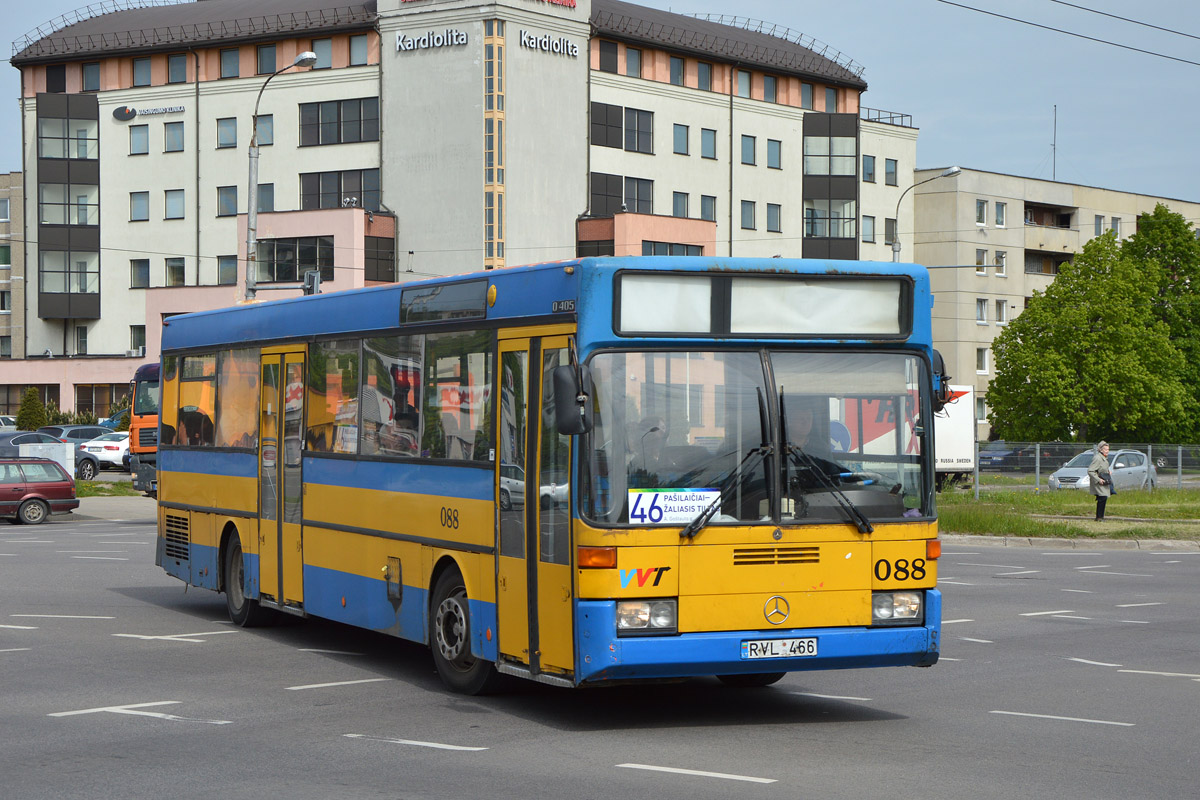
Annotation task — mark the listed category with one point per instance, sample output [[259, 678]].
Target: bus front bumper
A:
[[605, 657]]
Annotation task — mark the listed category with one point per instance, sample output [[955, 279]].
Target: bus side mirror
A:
[[941, 383], [572, 400]]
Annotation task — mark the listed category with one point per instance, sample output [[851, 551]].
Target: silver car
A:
[[1130, 470]]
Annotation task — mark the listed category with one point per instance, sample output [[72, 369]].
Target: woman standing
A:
[[1100, 479]]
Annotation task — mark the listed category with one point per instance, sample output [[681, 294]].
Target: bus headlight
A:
[[643, 617], [897, 608]]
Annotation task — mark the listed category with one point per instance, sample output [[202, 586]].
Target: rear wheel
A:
[[751, 681], [33, 512], [86, 469], [244, 611], [450, 638]]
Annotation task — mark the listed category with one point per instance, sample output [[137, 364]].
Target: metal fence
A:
[[1030, 464]]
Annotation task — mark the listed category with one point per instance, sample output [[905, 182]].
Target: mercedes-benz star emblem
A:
[[776, 610]]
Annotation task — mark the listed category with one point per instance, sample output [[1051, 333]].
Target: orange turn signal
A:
[[933, 549], [597, 558]]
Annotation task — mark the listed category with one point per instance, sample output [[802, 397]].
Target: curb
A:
[[1072, 544]]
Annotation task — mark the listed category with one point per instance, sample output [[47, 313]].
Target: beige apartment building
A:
[[992, 240], [12, 270]]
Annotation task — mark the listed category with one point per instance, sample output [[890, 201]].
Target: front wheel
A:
[[450, 638], [244, 611], [751, 681]]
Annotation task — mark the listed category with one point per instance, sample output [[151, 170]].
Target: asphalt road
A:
[[1065, 674]]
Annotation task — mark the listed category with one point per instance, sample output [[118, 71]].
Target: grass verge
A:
[[105, 489]]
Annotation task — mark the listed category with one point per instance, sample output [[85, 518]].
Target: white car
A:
[[110, 450], [512, 487]]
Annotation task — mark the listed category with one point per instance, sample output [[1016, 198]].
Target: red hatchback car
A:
[[31, 489]]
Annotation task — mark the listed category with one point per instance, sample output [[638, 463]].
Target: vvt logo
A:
[[643, 574]]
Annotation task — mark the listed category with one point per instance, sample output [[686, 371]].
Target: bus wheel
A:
[[751, 681], [450, 638], [244, 611]]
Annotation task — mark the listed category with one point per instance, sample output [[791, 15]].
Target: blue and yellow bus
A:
[[581, 472]]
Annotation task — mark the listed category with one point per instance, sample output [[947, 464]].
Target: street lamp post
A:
[[946, 173], [305, 59]]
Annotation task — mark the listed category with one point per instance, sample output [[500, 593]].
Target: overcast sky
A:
[[981, 89]]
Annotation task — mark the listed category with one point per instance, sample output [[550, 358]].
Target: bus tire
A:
[[245, 612], [751, 681], [450, 638]]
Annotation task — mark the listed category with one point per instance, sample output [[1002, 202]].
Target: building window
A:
[[676, 70], [266, 198], [769, 88], [68, 204], [358, 50], [139, 206], [353, 188], [172, 137], [748, 150], [594, 248], [980, 410], [633, 62], [748, 215], [137, 337], [227, 132], [650, 248], [264, 130], [806, 95], [266, 59], [68, 138], [177, 68], [830, 155], [1099, 225], [981, 311], [174, 271], [5, 256], [139, 273], [1116, 226], [226, 270], [774, 154], [173, 204], [286, 260], [981, 212], [339, 121], [981, 359], [681, 139], [139, 140], [868, 169], [226, 201], [68, 272], [608, 57], [1001, 312], [708, 143], [1001, 209], [889, 171], [4, 216], [324, 50], [743, 83], [704, 72], [607, 194], [230, 63], [639, 131], [81, 340], [639, 195], [679, 204], [91, 76], [868, 229], [980, 262], [5, 301], [141, 71], [708, 207], [607, 121], [5, 347], [1001, 263], [380, 258], [889, 231], [833, 219], [56, 78], [773, 218], [831, 100]]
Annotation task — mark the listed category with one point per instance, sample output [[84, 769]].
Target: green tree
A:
[[32, 414], [1090, 357]]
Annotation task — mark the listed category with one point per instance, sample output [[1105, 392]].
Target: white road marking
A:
[[1047, 613], [338, 683], [1069, 616], [15, 649], [948, 553], [1000, 566], [1163, 674], [1136, 621], [100, 558], [954, 583], [698, 773], [129, 709], [1096, 566], [125, 543], [1171, 562], [1093, 663], [831, 696], [413, 742], [20, 627], [30, 541], [947, 658], [172, 637], [59, 616], [1066, 719], [329, 652], [90, 551], [1080, 591], [1136, 605], [980, 641], [1021, 572], [952, 621], [1074, 553], [1126, 574]]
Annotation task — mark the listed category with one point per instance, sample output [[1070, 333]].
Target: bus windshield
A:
[[145, 398], [671, 427]]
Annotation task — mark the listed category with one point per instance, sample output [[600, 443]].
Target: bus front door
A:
[[281, 426], [535, 582]]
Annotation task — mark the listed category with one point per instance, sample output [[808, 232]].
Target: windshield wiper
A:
[[734, 477], [806, 462]]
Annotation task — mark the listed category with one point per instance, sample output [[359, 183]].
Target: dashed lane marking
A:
[[1093, 663], [133, 710], [15, 649], [698, 773], [1136, 605], [59, 616], [1065, 719], [337, 683], [952, 621], [173, 637], [978, 641], [412, 742], [1047, 613], [1163, 674], [831, 696]]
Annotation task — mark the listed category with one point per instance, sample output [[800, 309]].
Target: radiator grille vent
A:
[[769, 556], [176, 534], [148, 437]]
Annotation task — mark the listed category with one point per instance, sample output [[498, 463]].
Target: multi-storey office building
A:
[[431, 137], [12, 273], [1001, 238]]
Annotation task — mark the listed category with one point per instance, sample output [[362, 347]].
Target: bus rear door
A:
[[281, 424]]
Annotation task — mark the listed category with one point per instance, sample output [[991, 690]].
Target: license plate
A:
[[779, 648]]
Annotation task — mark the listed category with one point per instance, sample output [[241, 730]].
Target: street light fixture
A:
[[946, 173], [305, 59]]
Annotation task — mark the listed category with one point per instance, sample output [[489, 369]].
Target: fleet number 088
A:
[[901, 569]]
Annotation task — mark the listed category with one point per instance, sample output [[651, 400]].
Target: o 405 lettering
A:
[[901, 569]]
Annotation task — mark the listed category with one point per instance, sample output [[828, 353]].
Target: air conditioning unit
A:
[[137, 352]]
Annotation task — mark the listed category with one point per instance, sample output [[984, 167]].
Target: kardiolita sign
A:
[[430, 40], [560, 46]]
